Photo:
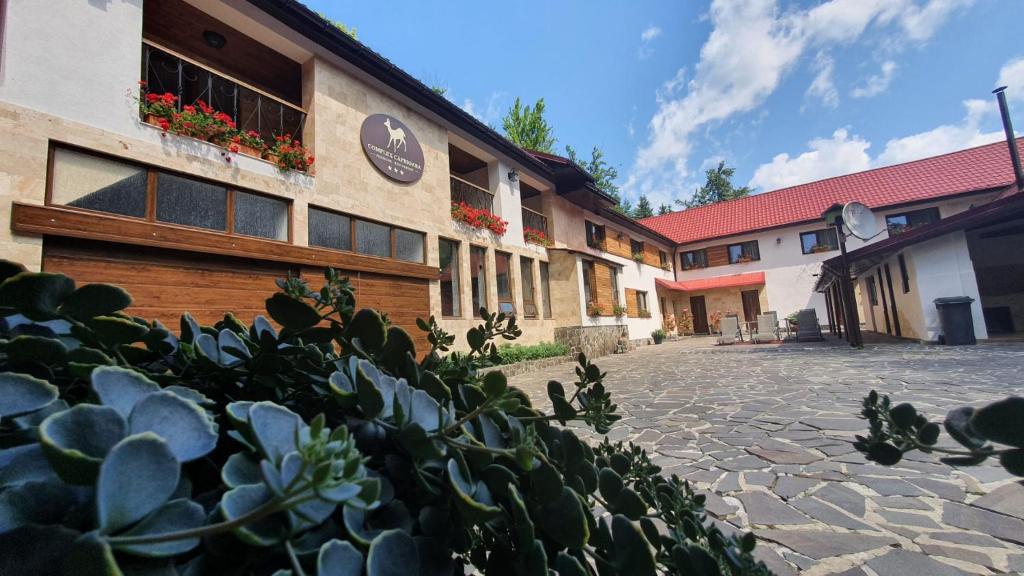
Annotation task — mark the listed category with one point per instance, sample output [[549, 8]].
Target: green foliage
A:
[[664, 209], [717, 188], [512, 353], [604, 174], [643, 208], [347, 30], [322, 444], [658, 335], [896, 430], [526, 127]]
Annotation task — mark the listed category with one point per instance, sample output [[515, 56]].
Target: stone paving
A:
[[766, 432]]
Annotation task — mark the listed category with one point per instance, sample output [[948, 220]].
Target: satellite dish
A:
[[860, 220]]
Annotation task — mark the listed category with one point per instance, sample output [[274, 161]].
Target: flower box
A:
[[535, 236], [248, 150], [479, 218]]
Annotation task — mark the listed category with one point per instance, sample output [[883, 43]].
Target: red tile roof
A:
[[973, 170], [730, 281]]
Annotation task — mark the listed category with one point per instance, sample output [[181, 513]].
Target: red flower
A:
[[233, 148], [189, 109], [204, 107], [152, 97], [164, 124], [310, 160], [143, 83]]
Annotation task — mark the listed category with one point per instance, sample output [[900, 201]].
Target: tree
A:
[[604, 174], [439, 90], [527, 127], [643, 208], [664, 209], [624, 207], [717, 188]]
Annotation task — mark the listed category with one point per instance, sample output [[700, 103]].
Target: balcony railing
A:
[[475, 196], [250, 107], [535, 220]]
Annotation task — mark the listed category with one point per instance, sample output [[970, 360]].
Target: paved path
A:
[[767, 431]]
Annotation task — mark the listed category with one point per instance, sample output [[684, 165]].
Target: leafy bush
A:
[[512, 353], [323, 445], [658, 335], [896, 430]]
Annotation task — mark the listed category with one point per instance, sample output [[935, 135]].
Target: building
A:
[[765, 252], [428, 211]]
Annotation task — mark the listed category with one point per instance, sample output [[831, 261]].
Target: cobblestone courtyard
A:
[[767, 431]]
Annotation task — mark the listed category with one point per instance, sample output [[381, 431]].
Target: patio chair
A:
[[730, 330], [767, 328], [808, 329]]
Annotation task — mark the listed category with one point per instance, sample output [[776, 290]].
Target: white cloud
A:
[[823, 87], [827, 157], [491, 111], [946, 138], [752, 46], [646, 38], [1012, 76], [877, 83]]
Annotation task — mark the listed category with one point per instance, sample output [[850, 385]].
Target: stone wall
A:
[[593, 341], [510, 370]]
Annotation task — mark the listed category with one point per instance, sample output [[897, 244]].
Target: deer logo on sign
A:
[[396, 136]]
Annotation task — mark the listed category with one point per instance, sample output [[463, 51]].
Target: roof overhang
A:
[[701, 284]]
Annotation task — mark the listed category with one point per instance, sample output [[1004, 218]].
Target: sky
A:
[[786, 92]]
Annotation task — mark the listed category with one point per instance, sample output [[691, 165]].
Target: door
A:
[[700, 315], [751, 307]]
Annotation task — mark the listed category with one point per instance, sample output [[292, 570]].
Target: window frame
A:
[[545, 289], [511, 299], [596, 235], [663, 258], [636, 247], [589, 276], [532, 301], [754, 243], [392, 229], [642, 305], [817, 238], [872, 291], [458, 272], [895, 230], [614, 274], [483, 303], [703, 252], [904, 272], [152, 178]]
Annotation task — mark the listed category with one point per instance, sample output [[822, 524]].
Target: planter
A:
[[152, 119], [657, 340], [249, 151], [271, 157]]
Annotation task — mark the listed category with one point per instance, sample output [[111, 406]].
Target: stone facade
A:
[[593, 341]]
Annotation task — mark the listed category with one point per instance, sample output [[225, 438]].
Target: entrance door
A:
[[751, 307], [700, 315]]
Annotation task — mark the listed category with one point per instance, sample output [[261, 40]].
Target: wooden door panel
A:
[[700, 314]]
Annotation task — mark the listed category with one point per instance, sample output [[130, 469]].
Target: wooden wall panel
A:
[[651, 256], [718, 255], [603, 287], [631, 308], [617, 243]]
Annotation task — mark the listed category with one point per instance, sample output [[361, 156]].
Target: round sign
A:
[[392, 148]]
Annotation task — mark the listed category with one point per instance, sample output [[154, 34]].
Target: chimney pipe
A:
[[1011, 140]]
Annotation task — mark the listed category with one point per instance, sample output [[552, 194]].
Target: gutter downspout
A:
[[1011, 140]]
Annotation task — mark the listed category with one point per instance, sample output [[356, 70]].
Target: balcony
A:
[[535, 227], [250, 108], [471, 194]]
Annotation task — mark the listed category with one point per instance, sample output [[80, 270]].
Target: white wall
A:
[[74, 59], [943, 267]]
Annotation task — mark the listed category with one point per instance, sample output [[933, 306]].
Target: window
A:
[[816, 241], [329, 230], [904, 274], [448, 255], [503, 282], [85, 181], [872, 292], [744, 252], [694, 259], [595, 235], [545, 288], [408, 245], [636, 247], [90, 182], [478, 275], [342, 232], [641, 304], [588, 280], [526, 276], [900, 223], [261, 216], [663, 258], [373, 239], [615, 285]]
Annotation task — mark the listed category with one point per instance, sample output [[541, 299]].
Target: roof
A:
[[973, 170], [864, 258], [730, 281], [305, 21]]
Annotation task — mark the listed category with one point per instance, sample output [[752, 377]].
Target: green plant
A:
[[512, 353], [896, 430], [595, 310], [619, 311], [658, 335], [638, 257], [323, 445], [290, 154]]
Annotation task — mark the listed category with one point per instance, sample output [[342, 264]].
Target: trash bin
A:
[[956, 320]]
